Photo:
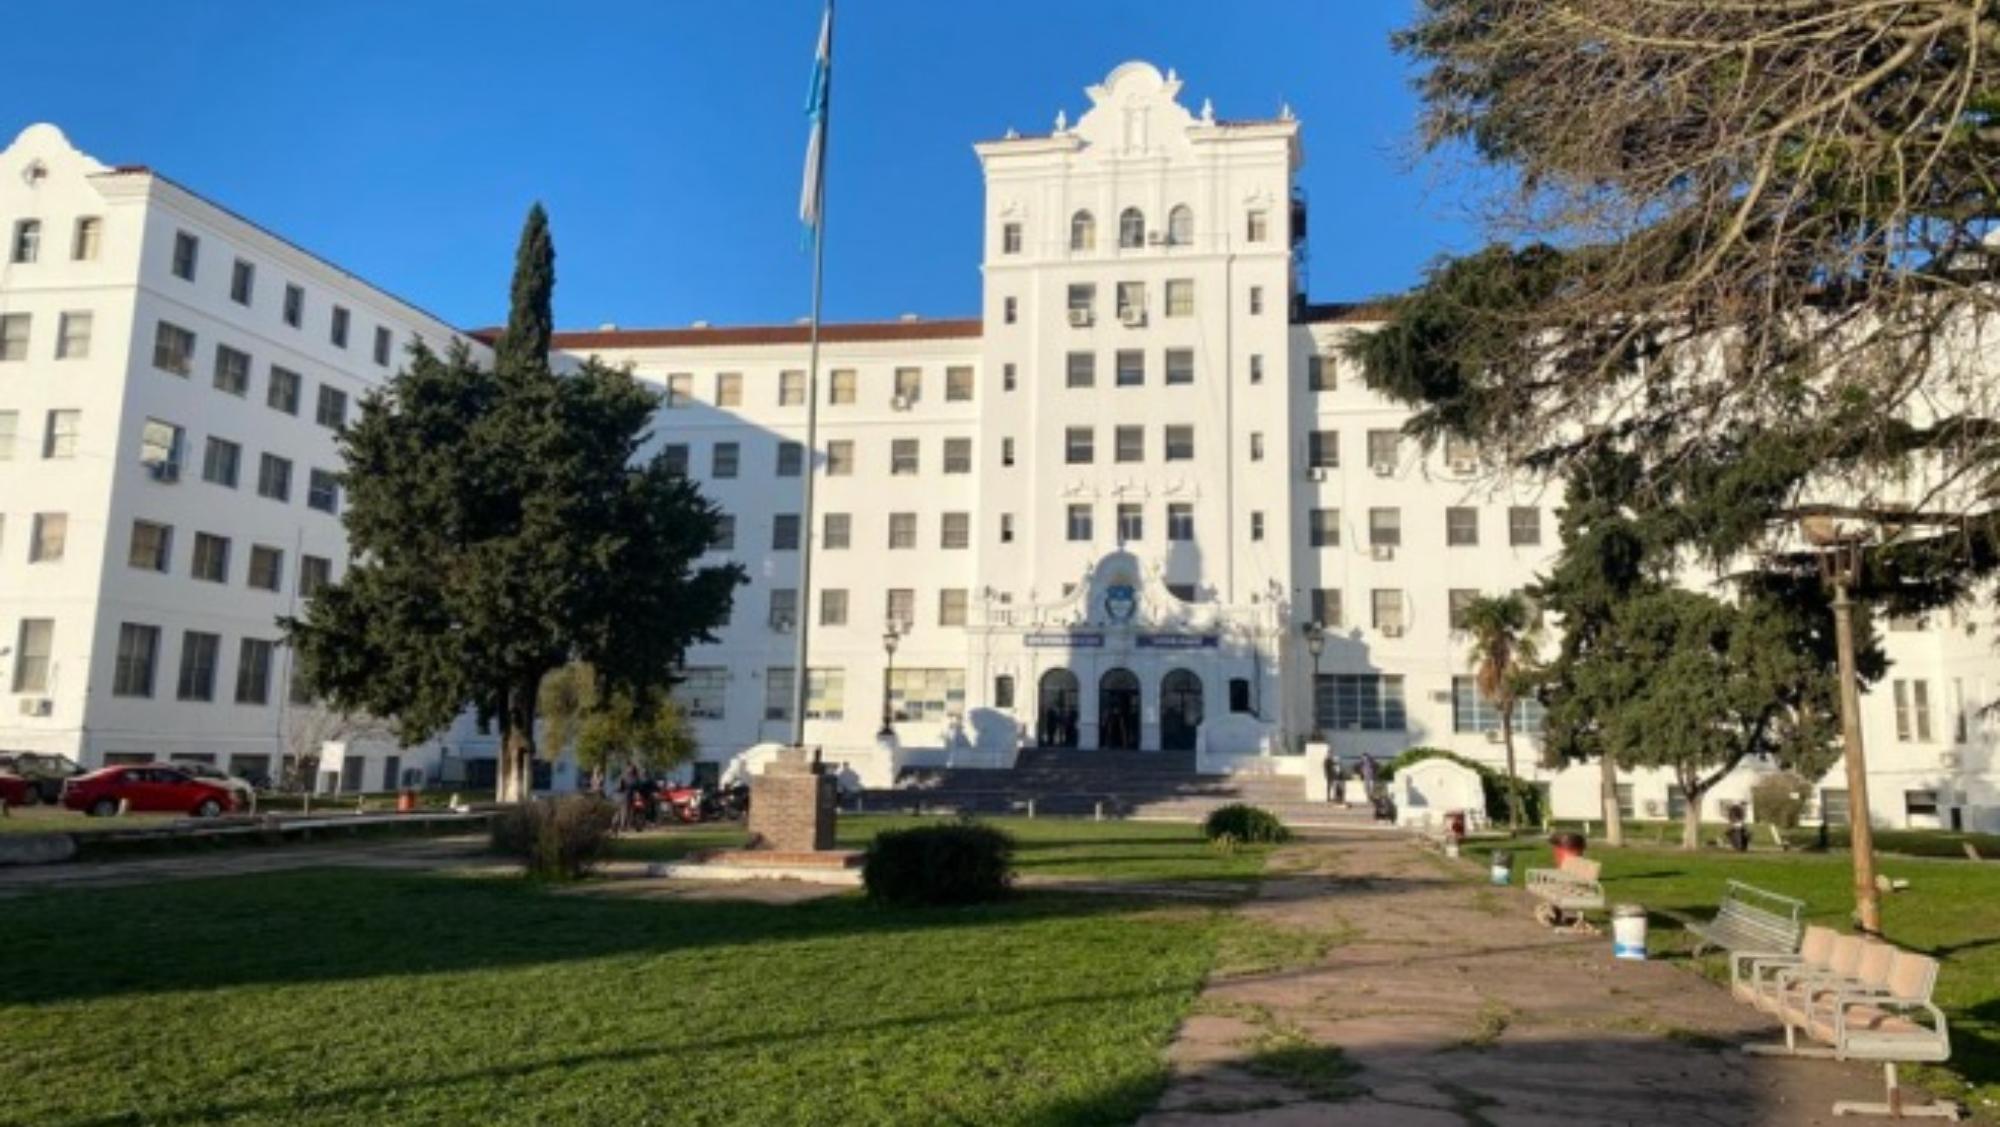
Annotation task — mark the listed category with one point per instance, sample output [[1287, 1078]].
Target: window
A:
[[1256, 367], [1180, 443], [10, 428], [14, 336], [1387, 604], [1461, 527], [89, 234], [901, 608], [315, 572], [186, 249], [32, 650], [274, 477], [1007, 377], [1323, 449], [152, 546], [267, 567], [724, 539], [840, 386], [1180, 521], [784, 608], [48, 538], [1003, 691], [1472, 712], [1180, 297], [1082, 231], [778, 689], [60, 436], [1913, 711], [791, 389], [1368, 702], [840, 457], [211, 558], [1920, 803], [1385, 527], [1006, 451], [1131, 522], [723, 460], [73, 336], [902, 457], [1326, 609], [1459, 454], [1256, 524], [1383, 449], [958, 455], [902, 530], [200, 653], [729, 389], [243, 282], [1080, 370], [1131, 229], [791, 459], [1132, 302], [1180, 225], [332, 409], [1319, 374], [1079, 523], [1079, 446], [680, 389], [1524, 526], [220, 461], [1256, 445], [1323, 528], [958, 385], [1010, 238], [284, 390], [785, 532], [1256, 300], [1257, 226], [674, 458], [173, 346], [926, 694], [253, 671], [826, 694], [384, 345], [1180, 365], [138, 647], [1130, 368], [160, 448], [909, 384], [951, 606], [337, 330], [1010, 311], [836, 531], [955, 531], [1239, 694], [1006, 528], [232, 370], [295, 306], [702, 691], [833, 606], [1129, 444]]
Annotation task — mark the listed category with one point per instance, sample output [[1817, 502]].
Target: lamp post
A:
[[1315, 645], [890, 636], [1840, 567]]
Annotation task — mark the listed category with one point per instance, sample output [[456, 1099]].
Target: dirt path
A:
[[460, 852], [1446, 1005]]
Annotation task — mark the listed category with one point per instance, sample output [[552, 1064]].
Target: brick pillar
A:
[[792, 805]]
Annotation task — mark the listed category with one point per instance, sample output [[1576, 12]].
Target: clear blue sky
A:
[[404, 138]]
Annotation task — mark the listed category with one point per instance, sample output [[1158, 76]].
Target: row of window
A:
[[62, 430], [86, 239], [843, 387], [1385, 451], [726, 458], [899, 607], [292, 309], [151, 548], [174, 352], [72, 342], [162, 448], [837, 531], [1133, 233], [1128, 368], [914, 693], [136, 665], [1080, 301], [1385, 527], [1389, 608], [1375, 702], [1913, 711]]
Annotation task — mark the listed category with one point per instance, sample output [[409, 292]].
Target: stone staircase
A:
[[1155, 785]]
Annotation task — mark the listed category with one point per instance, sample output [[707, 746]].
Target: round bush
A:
[[555, 838], [1243, 823], [956, 863]]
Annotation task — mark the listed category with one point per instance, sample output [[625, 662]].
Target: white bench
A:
[[1566, 892], [1750, 920]]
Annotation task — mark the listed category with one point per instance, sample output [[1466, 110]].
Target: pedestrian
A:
[[1331, 767], [1368, 775]]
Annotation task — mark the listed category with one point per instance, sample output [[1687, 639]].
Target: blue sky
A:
[[405, 138]]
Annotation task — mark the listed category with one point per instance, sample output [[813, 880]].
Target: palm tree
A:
[[1503, 631]]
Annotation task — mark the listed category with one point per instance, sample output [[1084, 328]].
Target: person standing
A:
[[1368, 775], [1331, 766]]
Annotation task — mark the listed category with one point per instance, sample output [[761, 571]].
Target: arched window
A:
[[1131, 228], [1180, 225], [1082, 231]]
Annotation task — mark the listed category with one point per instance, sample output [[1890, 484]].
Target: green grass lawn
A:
[[367, 998], [1951, 910]]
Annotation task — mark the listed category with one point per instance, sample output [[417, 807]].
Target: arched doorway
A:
[[1057, 704], [1180, 710], [1118, 711]]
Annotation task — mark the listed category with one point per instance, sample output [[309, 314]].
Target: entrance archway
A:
[[1058, 701], [1118, 711], [1180, 710]]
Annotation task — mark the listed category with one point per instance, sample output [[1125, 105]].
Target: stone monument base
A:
[[792, 805]]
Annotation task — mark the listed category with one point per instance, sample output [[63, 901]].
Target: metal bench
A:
[[1566, 893], [1751, 920]]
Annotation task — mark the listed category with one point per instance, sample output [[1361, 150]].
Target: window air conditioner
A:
[[1079, 318], [1382, 551], [1392, 631], [1493, 735], [782, 625], [1132, 318], [164, 471], [1382, 469], [900, 402], [1464, 468], [1949, 760], [38, 706], [1316, 473]]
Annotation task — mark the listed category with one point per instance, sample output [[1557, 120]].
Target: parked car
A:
[[149, 788], [244, 790], [17, 791], [47, 773]]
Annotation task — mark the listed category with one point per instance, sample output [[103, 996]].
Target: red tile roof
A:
[[856, 332]]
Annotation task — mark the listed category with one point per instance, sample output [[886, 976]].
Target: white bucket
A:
[[1628, 931]]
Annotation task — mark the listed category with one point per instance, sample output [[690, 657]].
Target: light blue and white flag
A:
[[811, 194]]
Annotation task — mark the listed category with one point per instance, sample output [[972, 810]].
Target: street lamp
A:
[[890, 635], [1840, 558], [1315, 645]]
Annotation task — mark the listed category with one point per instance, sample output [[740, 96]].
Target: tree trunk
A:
[[1691, 819], [517, 747], [1513, 779], [1614, 820]]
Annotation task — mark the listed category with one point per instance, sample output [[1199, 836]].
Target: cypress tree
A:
[[524, 345]]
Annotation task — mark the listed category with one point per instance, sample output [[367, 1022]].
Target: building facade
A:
[[1140, 502]]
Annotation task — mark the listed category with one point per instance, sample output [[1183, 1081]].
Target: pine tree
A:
[[523, 347]]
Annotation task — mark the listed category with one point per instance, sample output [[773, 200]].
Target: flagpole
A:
[[808, 528]]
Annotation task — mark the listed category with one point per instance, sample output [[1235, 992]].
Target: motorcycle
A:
[[683, 803]]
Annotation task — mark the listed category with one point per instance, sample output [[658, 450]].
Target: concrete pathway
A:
[[459, 853], [1446, 1005]]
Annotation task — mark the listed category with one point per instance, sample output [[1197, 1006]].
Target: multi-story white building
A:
[[1103, 514]]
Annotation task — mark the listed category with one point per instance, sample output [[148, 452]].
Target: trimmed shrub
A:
[[954, 863], [1779, 799], [1495, 784], [555, 838], [1242, 823]]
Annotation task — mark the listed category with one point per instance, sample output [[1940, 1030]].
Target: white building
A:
[[1099, 515]]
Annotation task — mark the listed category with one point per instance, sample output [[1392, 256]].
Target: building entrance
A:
[[1118, 711], [1180, 710], [1057, 702]]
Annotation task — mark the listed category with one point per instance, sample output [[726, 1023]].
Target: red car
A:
[[152, 788], [17, 791]]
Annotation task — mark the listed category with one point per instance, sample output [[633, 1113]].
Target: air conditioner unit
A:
[[782, 625], [1382, 551], [1382, 469], [900, 403], [1464, 468], [1392, 631], [1132, 318], [1493, 735], [1079, 318], [38, 706], [1949, 760], [1316, 473], [1653, 808], [164, 471]]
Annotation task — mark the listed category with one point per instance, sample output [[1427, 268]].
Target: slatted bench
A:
[[1750, 920], [1566, 893]]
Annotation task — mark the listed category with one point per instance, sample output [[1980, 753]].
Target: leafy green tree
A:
[[504, 522], [608, 728], [1503, 629]]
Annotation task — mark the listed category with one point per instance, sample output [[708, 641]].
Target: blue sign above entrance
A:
[[1064, 641], [1177, 641]]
